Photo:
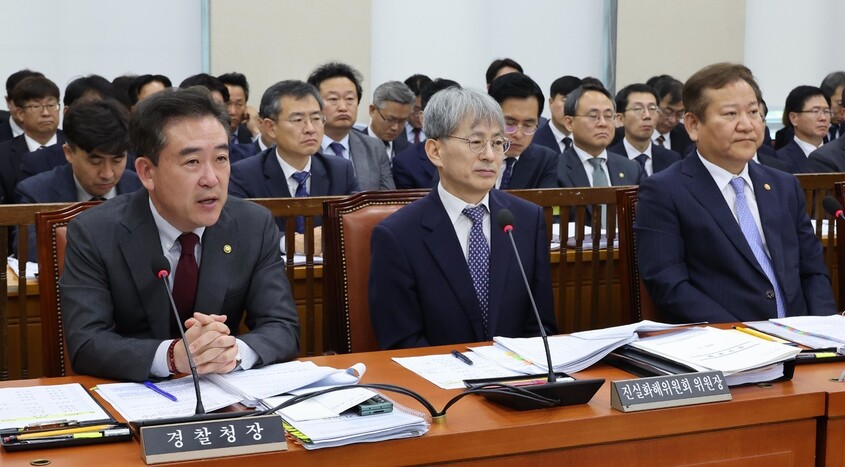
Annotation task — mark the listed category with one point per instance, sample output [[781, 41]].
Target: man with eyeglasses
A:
[[37, 106], [833, 85], [389, 112], [590, 116], [721, 239], [11, 125], [292, 111], [637, 112], [413, 129], [670, 132], [526, 165], [340, 87], [239, 118], [807, 112], [441, 270], [553, 133]]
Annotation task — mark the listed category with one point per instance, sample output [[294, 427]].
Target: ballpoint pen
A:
[[461, 357], [160, 391]]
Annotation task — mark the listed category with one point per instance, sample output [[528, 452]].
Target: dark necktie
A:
[[416, 132], [642, 159], [478, 260], [506, 177], [567, 142], [301, 192], [600, 180], [186, 278], [831, 134], [660, 140], [97, 198], [337, 148]]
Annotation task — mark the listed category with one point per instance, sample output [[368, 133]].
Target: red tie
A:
[[186, 278], [416, 135]]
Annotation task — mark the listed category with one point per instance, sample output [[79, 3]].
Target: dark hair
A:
[[622, 96], [497, 65], [336, 70], [591, 80], [153, 114], [236, 79], [656, 79], [831, 82], [574, 97], [417, 82], [95, 84], [431, 89], [714, 76], [271, 101], [17, 77], [98, 126], [797, 98], [144, 80], [516, 85], [34, 87], [564, 85], [207, 81], [669, 87], [121, 89]]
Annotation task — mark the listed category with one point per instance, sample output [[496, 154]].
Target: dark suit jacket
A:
[[412, 169], [794, 158], [661, 158], [6, 131], [828, 158], [369, 158], [44, 160], [11, 154], [420, 290], [771, 161], [239, 152], [244, 136], [58, 186], [680, 139], [536, 168], [117, 311], [399, 144], [545, 137], [622, 171], [784, 136], [696, 262]]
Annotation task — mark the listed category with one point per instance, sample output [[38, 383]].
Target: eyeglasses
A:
[[392, 120], [641, 111], [668, 113], [38, 108], [299, 122], [528, 129], [594, 117], [478, 145], [816, 111]]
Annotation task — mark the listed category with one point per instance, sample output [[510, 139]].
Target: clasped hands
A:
[[213, 348]]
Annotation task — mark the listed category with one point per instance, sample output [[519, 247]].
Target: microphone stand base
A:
[[565, 391]]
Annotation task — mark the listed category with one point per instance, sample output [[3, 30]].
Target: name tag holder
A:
[[632, 395]]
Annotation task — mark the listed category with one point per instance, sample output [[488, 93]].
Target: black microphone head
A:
[[505, 219], [831, 205], [161, 267]]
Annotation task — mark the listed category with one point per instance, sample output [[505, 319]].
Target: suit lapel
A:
[[522, 170], [215, 264], [274, 177], [767, 201], [618, 176], [65, 188], [575, 169], [501, 259], [319, 177]]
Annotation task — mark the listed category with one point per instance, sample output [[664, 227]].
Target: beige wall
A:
[[272, 40], [687, 35]]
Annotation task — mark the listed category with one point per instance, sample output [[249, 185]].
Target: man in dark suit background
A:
[[389, 112], [807, 112], [238, 88], [12, 126], [553, 133], [97, 135], [526, 165], [292, 113], [117, 316], [720, 239], [413, 129], [832, 86], [340, 87], [828, 158], [441, 271], [670, 132], [637, 112]]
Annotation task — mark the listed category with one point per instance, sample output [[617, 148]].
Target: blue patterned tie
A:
[[506, 177], [337, 148], [301, 192], [478, 259], [567, 142], [752, 235], [642, 159]]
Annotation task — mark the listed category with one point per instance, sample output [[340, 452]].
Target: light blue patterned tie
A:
[[600, 180], [478, 259], [752, 235]]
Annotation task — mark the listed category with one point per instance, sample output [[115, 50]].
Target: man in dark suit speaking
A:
[[223, 253], [442, 271], [719, 239]]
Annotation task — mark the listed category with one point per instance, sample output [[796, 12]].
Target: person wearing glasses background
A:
[[670, 132], [833, 85], [637, 113], [590, 116], [526, 165], [441, 270], [292, 112], [807, 112], [389, 112], [413, 129]]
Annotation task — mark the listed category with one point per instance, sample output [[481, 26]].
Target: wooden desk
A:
[[774, 426]]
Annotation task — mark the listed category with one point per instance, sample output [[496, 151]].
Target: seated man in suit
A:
[[147, 85], [807, 112], [292, 113], [340, 87], [13, 126], [413, 129], [441, 271], [501, 67], [637, 112], [223, 254], [97, 135], [526, 165], [553, 133], [720, 239], [411, 167], [239, 122], [389, 112], [670, 132], [833, 86]]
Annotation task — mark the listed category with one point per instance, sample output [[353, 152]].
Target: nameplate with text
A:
[[632, 395]]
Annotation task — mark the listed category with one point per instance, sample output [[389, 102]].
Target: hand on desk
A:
[[318, 242], [213, 347]]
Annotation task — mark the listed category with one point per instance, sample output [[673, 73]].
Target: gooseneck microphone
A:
[[505, 220], [833, 207], [161, 268]]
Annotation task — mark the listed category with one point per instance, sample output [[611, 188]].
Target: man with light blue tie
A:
[[719, 239]]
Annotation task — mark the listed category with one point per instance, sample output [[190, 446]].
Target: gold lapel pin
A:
[[621, 175], [227, 249], [767, 186]]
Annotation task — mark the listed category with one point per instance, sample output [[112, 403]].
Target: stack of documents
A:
[[351, 428], [830, 329]]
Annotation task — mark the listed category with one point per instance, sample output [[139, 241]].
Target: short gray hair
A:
[[393, 91], [448, 108]]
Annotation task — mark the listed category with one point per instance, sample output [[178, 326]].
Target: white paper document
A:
[[448, 372], [793, 335], [569, 353], [23, 406], [331, 404], [830, 327], [352, 428]]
